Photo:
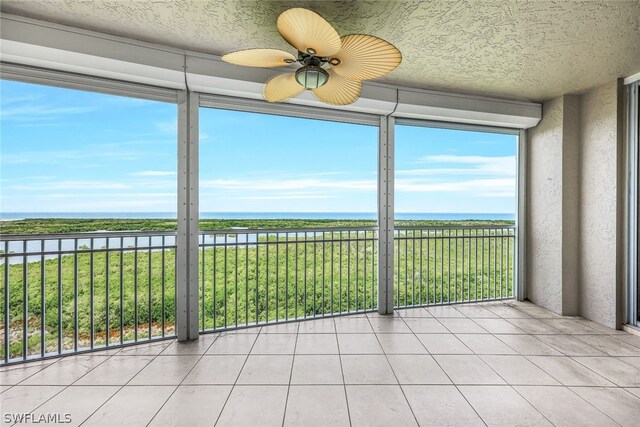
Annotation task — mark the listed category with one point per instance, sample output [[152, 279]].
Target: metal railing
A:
[[250, 277], [68, 293], [451, 264]]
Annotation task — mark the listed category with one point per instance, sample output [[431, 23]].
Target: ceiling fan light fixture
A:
[[333, 69], [312, 76]]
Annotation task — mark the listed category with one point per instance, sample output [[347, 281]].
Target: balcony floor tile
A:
[[574, 411], [617, 403], [468, 369], [488, 363], [379, 405], [192, 405], [317, 370], [254, 406], [503, 406], [131, 406], [441, 405], [317, 406], [443, 344]]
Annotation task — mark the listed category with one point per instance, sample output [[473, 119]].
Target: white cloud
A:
[[452, 158], [287, 197], [304, 188], [70, 185], [145, 205], [168, 126], [118, 195], [153, 173], [40, 112], [288, 184], [66, 156], [449, 172], [8, 100], [493, 187], [487, 165]]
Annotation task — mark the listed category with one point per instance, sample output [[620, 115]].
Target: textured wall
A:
[[527, 49], [575, 199], [600, 198], [544, 221]]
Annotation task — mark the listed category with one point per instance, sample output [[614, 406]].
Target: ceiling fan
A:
[[332, 67]]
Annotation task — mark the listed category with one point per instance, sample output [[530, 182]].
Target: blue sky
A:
[[71, 151]]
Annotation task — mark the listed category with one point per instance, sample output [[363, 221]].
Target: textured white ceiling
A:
[[527, 50]]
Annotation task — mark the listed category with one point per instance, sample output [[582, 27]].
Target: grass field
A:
[[242, 284]]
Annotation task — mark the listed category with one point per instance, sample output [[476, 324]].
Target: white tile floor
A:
[[501, 363]]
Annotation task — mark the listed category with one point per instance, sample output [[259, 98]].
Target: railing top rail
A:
[[286, 230], [454, 227], [85, 235], [117, 234]]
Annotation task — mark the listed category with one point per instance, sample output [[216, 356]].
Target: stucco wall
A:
[[575, 206], [600, 201], [544, 220]]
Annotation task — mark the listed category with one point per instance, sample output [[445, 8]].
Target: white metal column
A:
[[187, 238], [385, 214], [520, 267], [632, 203]]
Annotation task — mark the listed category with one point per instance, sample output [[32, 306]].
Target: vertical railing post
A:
[[187, 234], [385, 214], [520, 246]]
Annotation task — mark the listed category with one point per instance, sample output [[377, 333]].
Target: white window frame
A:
[[633, 196]]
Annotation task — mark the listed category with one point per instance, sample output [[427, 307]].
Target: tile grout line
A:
[[393, 372], [561, 384], [565, 385], [571, 391], [64, 387], [28, 376], [621, 358], [598, 373], [507, 383], [184, 378], [293, 361], [445, 372], [344, 385], [239, 373], [122, 386]]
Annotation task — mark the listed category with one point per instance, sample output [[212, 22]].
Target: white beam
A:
[[42, 44]]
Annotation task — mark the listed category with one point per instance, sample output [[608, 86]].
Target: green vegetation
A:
[[75, 225], [245, 283]]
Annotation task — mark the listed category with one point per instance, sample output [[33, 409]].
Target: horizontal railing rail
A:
[[72, 292], [240, 230], [453, 227], [69, 293], [84, 235]]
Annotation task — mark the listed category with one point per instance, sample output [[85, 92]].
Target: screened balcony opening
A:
[[88, 208], [456, 211], [288, 213]]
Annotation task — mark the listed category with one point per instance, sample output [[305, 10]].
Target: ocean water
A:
[[260, 215]]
